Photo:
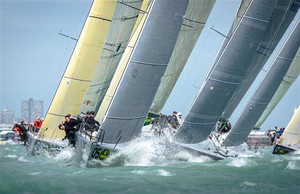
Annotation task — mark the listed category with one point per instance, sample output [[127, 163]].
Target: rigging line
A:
[[220, 33], [67, 36], [133, 7], [100, 18]]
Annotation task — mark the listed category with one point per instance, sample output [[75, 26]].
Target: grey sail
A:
[[123, 21], [132, 100], [282, 16], [287, 81], [267, 87], [228, 73], [195, 18]]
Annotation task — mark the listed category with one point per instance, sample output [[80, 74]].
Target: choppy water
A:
[[145, 168]]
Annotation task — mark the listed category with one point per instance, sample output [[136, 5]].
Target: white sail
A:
[[281, 18], [140, 81], [291, 135], [228, 73], [287, 81], [195, 19], [124, 19], [81, 67], [282, 59]]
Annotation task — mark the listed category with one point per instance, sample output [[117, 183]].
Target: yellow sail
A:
[[81, 67], [291, 135], [123, 63]]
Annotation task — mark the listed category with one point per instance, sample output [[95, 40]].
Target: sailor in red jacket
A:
[[37, 124]]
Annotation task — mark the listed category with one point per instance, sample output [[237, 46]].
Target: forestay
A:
[[228, 73], [264, 93], [135, 93]]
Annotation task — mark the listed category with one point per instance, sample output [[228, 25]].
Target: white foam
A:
[[139, 172], [293, 165], [238, 162], [247, 183], [11, 156], [35, 173], [164, 173]]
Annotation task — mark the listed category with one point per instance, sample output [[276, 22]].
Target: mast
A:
[[227, 74], [147, 64], [264, 93], [80, 69]]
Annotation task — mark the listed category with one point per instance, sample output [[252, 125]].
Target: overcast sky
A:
[[34, 56]]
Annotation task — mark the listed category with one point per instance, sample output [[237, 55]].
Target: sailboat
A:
[[101, 21], [285, 54], [290, 139], [283, 14], [226, 75], [131, 102]]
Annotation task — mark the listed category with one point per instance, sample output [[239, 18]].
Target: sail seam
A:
[[84, 80], [226, 82], [145, 63], [285, 58], [257, 19], [258, 102]]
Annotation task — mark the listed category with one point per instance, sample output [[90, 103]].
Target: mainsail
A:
[[81, 67], [194, 21], [287, 81], [285, 11], [228, 73], [291, 135], [147, 64], [123, 64], [124, 19], [264, 93]]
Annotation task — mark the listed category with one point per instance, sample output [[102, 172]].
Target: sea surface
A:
[[146, 167]]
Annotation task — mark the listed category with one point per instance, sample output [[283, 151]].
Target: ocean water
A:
[[148, 166]]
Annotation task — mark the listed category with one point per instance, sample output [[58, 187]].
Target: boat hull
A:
[[281, 150]]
